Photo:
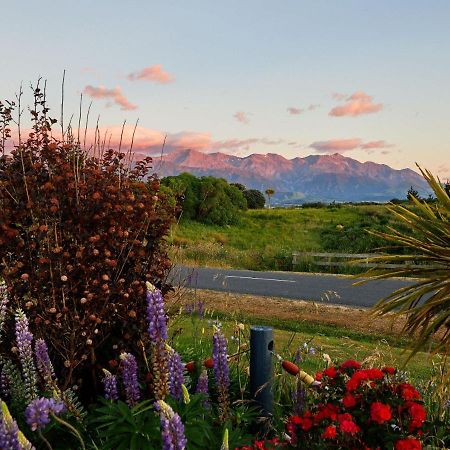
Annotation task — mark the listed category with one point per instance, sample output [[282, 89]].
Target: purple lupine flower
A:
[[3, 307], [312, 351], [9, 435], [220, 359], [43, 362], [175, 375], [37, 413], [299, 398], [24, 340], [156, 315], [200, 308], [157, 328], [202, 387], [221, 372], [202, 383], [172, 429], [130, 378], [110, 386]]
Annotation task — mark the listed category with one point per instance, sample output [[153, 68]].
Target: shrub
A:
[[80, 235], [255, 199], [207, 199], [360, 408], [424, 303]]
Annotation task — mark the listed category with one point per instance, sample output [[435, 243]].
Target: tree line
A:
[[210, 200]]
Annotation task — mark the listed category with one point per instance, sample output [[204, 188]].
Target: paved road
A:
[[319, 288]]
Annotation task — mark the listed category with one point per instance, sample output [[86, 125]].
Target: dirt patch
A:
[[292, 310]]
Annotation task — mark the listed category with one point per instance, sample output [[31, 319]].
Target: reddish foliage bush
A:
[[79, 237]]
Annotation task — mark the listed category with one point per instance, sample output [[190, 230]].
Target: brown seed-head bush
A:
[[79, 236]]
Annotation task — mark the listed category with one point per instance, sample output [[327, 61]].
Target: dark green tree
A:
[[240, 186], [206, 199], [412, 193], [255, 199]]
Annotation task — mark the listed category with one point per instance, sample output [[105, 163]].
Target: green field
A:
[[339, 343], [265, 239]]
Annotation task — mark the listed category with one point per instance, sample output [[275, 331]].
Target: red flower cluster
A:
[[408, 444], [270, 444], [359, 408]]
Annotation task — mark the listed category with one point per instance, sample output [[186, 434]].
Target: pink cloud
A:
[[242, 117], [336, 145], [152, 73], [294, 111], [150, 141], [346, 145], [375, 145], [357, 104], [115, 95]]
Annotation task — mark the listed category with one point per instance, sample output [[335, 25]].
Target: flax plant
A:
[[426, 302]]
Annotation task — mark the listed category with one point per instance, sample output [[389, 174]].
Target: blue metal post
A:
[[261, 347]]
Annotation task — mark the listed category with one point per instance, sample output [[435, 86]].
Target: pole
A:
[[261, 348]]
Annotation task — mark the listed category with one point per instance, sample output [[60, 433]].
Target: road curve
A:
[[325, 288]]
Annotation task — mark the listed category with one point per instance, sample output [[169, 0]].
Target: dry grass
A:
[[280, 309]]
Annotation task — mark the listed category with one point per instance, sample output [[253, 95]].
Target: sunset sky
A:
[[369, 79]]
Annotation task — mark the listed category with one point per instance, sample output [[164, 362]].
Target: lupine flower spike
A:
[[11, 438], [172, 429], [43, 362], [186, 396], [3, 307], [175, 374], [24, 340], [221, 372], [110, 386], [225, 445], [157, 329], [202, 387], [130, 378]]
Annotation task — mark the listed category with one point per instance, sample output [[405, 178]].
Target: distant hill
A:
[[313, 178]]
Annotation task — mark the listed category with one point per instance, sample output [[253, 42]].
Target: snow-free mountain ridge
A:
[[312, 178]]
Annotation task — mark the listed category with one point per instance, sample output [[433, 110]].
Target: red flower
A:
[[348, 426], [328, 411], [363, 375], [388, 370], [330, 372], [208, 363], [408, 444], [375, 374], [408, 392], [296, 420], [380, 412], [345, 416], [330, 432], [319, 376], [349, 401], [305, 422], [350, 364], [418, 414]]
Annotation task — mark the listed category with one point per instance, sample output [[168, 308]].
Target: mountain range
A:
[[312, 178]]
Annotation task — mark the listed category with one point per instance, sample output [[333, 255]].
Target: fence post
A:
[[261, 371]]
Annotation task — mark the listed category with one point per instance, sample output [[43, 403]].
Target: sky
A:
[[368, 79]]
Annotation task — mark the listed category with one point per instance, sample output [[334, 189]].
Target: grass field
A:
[[265, 239], [341, 333]]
